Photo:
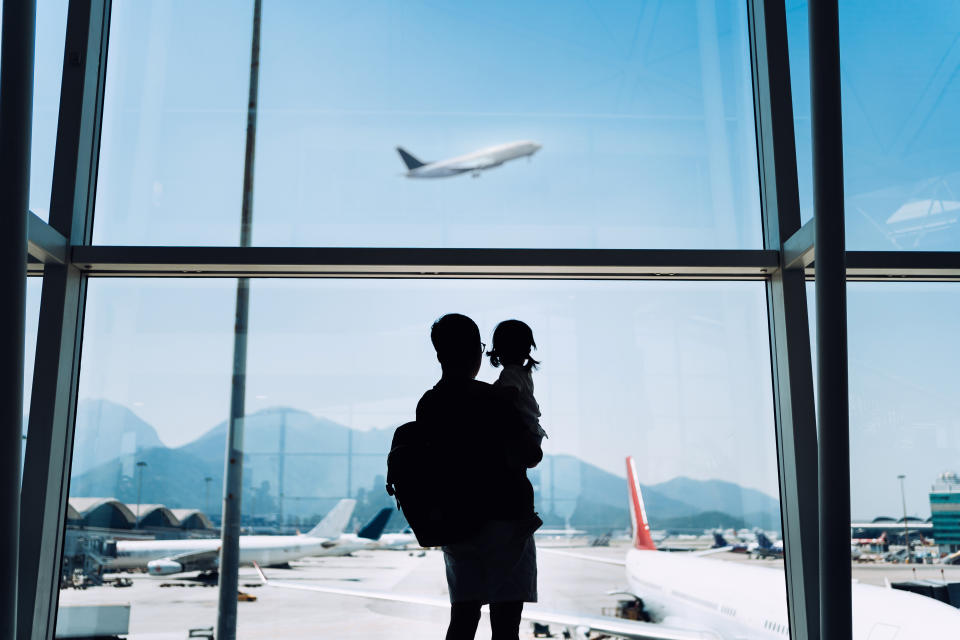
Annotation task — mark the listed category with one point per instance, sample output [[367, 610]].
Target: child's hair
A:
[[512, 342]]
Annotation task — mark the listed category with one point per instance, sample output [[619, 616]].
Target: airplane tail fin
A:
[[334, 522], [638, 514], [374, 529], [763, 540], [409, 160], [719, 540]]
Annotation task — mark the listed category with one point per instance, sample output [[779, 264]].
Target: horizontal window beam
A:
[[918, 266], [377, 262], [45, 245], [908, 266], [798, 250]]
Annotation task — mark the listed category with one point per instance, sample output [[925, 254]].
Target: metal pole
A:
[[233, 463], [833, 409], [206, 500], [140, 465], [281, 464], [906, 529], [16, 113]]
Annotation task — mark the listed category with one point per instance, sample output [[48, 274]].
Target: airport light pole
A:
[[140, 466], [233, 459], [906, 528], [206, 500]]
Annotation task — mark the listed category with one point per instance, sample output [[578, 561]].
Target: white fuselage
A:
[[264, 550], [477, 161], [743, 601], [397, 541]]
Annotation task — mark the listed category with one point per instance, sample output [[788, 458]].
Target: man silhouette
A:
[[477, 430]]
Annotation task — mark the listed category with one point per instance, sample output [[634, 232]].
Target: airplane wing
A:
[[620, 562], [582, 625]]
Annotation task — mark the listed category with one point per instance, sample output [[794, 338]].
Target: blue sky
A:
[[645, 114]]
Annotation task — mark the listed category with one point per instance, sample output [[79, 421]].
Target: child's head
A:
[[512, 342]]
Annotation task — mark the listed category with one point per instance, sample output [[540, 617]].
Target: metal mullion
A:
[[787, 316], [833, 414], [345, 262], [49, 449], [16, 109]]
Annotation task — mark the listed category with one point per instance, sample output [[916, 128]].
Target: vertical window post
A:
[[16, 116]]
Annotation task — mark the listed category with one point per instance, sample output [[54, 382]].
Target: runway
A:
[[167, 608]]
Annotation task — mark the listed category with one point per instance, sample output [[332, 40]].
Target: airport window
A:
[[34, 286], [401, 150], [798, 43], [48, 68], [640, 114], [676, 374], [903, 409], [900, 139]]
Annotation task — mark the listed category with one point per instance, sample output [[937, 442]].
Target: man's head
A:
[[457, 341]]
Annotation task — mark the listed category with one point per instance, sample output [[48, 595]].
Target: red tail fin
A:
[[638, 515]]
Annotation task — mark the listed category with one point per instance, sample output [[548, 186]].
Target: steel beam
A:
[[798, 249], [44, 243], [787, 316], [46, 474], [16, 118], [342, 262], [836, 619]]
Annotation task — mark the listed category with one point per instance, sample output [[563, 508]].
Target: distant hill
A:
[[105, 429], [171, 477], [718, 495], [316, 475]]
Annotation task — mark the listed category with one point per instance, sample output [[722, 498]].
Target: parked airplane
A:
[[167, 557], [472, 163], [397, 540], [765, 548], [689, 597]]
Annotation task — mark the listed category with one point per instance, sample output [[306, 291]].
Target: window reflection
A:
[[898, 66]]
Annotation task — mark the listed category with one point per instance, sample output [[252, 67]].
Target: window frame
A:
[[61, 252]]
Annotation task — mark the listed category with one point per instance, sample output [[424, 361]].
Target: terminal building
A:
[[945, 509]]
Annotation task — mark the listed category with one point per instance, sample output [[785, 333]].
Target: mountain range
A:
[[110, 439]]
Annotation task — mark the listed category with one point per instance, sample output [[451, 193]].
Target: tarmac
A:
[[165, 608]]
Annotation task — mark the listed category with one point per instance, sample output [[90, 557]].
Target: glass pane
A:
[[174, 116], [676, 374], [898, 63], [643, 112], [798, 39], [48, 72], [905, 440], [34, 287], [901, 137]]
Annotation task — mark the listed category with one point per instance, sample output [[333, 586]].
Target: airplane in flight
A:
[[687, 596], [472, 163], [168, 557]]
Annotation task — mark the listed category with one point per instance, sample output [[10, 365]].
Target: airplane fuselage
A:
[[265, 550], [477, 161], [737, 600]]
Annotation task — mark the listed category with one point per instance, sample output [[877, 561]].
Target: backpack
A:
[[424, 484]]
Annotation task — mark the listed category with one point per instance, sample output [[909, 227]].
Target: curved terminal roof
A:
[[193, 519], [154, 515], [110, 513]]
